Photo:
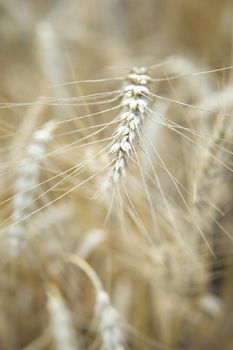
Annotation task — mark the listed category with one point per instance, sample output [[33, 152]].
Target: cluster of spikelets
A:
[[27, 179], [134, 103]]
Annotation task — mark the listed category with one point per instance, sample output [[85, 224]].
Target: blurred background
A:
[[187, 301], [93, 36]]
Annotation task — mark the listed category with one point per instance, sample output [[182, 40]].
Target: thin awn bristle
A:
[[26, 180], [134, 102]]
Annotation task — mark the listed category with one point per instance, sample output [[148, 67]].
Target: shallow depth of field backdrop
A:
[[116, 186]]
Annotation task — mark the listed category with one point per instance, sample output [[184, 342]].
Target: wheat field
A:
[[116, 175]]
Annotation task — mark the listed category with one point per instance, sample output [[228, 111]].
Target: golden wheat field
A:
[[116, 175]]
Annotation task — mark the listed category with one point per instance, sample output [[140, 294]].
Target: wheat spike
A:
[[134, 102], [26, 181], [110, 329], [60, 321]]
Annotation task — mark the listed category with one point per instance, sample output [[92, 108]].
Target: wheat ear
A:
[[61, 325], [26, 181], [211, 174], [125, 137], [108, 317]]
